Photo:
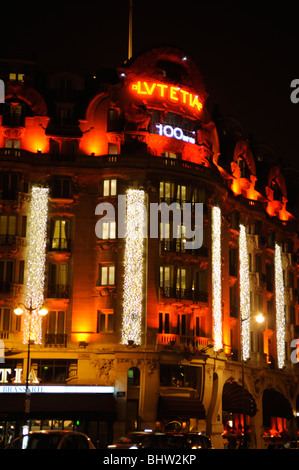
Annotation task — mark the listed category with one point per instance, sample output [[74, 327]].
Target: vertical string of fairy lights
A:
[[244, 293], [279, 302], [133, 267], [216, 278], [35, 271]]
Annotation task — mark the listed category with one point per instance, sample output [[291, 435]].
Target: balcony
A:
[[56, 340], [58, 291], [59, 244], [178, 246], [171, 340], [11, 243], [185, 294]]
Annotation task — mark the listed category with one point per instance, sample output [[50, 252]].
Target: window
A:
[[113, 149], [5, 319], [8, 224], [164, 322], [166, 279], [181, 280], [56, 322], [181, 324], [53, 370], [59, 234], [58, 276], [200, 326], [16, 76], [108, 230], [107, 275], [9, 183], [62, 188], [6, 275], [13, 115], [21, 272], [12, 144], [110, 187], [105, 321], [166, 191]]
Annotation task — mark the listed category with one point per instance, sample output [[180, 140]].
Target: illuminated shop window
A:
[[105, 321], [106, 275], [110, 187], [53, 370]]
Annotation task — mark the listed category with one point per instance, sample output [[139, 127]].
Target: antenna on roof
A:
[[130, 30]]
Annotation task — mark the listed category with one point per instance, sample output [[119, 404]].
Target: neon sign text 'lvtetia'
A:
[[172, 93]]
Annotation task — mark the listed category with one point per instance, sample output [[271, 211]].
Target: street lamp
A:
[[19, 311], [259, 318]]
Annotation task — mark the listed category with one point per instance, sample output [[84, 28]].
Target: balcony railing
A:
[[59, 244], [12, 241], [58, 291], [170, 339], [185, 294], [178, 246], [56, 340]]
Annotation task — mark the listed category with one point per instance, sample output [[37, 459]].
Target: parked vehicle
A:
[[197, 440], [68, 440], [151, 440]]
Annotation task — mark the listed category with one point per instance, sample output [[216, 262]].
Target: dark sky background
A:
[[247, 52]]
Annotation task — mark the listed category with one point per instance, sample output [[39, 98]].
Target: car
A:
[[131, 440], [197, 440], [150, 440], [67, 440]]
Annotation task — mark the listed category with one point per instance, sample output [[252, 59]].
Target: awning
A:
[[236, 399], [90, 406], [180, 407], [276, 405]]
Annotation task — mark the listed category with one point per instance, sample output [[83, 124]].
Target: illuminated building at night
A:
[[142, 331]]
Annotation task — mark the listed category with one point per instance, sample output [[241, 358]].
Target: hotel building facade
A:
[[144, 329]]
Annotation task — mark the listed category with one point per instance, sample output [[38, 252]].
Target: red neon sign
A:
[[172, 93]]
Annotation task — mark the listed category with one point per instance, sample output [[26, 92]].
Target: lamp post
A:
[[259, 318], [19, 311]]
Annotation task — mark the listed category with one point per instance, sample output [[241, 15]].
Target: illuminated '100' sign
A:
[[176, 132]]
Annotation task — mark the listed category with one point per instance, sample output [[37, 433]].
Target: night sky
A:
[[247, 52]]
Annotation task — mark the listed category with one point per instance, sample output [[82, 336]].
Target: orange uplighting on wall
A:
[[166, 92]]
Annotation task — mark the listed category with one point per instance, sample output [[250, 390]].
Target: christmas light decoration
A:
[[216, 278], [133, 264], [35, 272], [279, 302], [244, 293]]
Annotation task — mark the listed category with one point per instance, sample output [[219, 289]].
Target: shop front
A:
[[88, 409], [181, 414], [238, 407]]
